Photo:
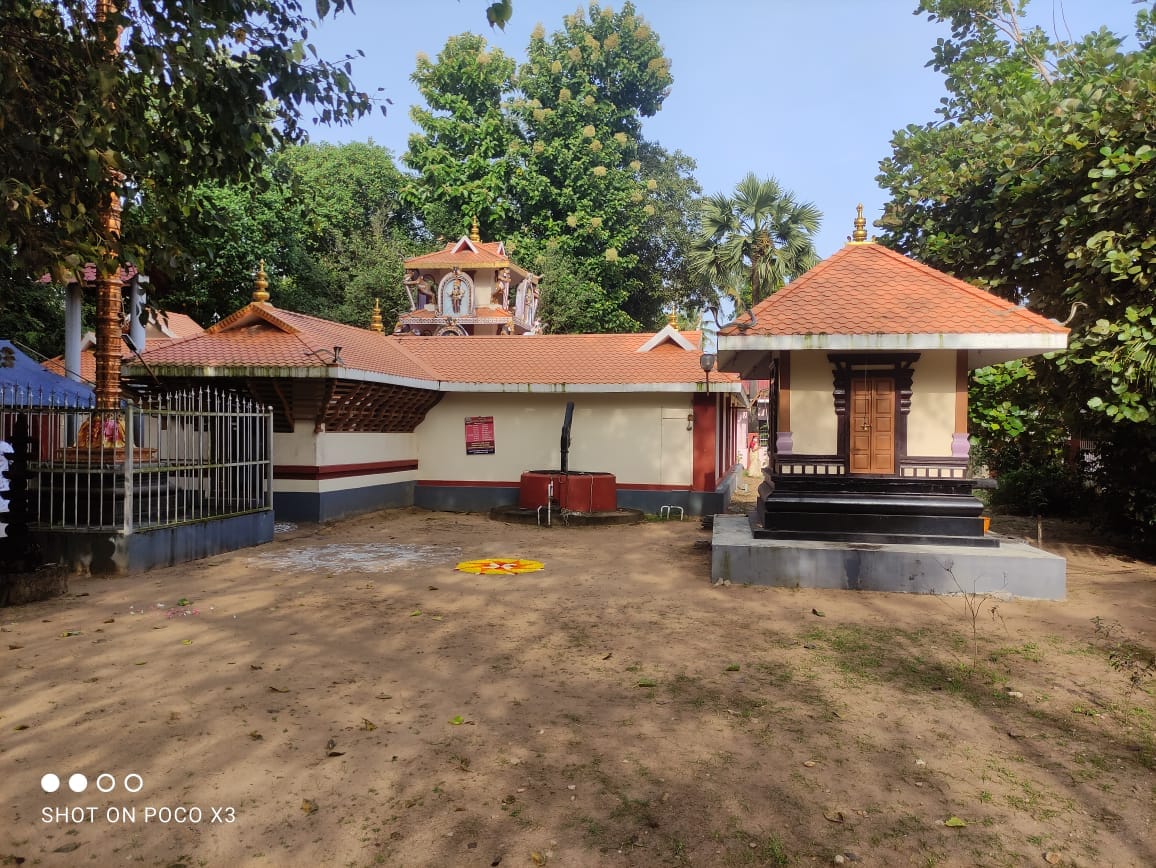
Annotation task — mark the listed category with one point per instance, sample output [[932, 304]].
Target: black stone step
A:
[[877, 484], [869, 502], [878, 538], [917, 524]]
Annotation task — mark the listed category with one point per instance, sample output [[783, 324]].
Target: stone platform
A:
[[1009, 568]]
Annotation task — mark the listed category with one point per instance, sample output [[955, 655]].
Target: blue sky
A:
[[809, 91]]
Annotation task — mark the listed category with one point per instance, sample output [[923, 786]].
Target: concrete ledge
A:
[[1013, 569], [113, 553], [464, 498], [317, 506]]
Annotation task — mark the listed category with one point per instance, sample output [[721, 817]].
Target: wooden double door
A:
[[872, 424]]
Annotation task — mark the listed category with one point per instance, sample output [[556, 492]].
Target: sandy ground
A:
[[343, 696]]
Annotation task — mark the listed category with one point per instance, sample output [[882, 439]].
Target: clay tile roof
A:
[[424, 313], [554, 359], [260, 335], [179, 325], [465, 254], [492, 312], [173, 327], [869, 289]]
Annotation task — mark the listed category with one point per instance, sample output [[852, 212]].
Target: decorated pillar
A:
[[108, 282]]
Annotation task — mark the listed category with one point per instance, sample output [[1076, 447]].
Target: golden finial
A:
[[474, 236], [672, 319], [375, 323], [860, 233], [261, 294]]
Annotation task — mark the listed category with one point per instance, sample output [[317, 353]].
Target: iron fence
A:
[[171, 459]]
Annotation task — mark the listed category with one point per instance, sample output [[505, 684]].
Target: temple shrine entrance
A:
[[872, 425]]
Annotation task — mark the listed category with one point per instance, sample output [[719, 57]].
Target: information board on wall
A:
[[480, 435]]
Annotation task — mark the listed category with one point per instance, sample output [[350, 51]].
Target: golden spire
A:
[[375, 323], [860, 233], [474, 237], [672, 319], [260, 294]]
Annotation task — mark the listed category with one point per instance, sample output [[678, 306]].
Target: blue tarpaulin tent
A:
[[25, 383]]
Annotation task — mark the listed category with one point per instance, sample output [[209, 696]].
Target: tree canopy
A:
[[1037, 182], [754, 241], [328, 221], [550, 157], [195, 93]]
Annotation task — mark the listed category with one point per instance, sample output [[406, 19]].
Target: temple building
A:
[[445, 418], [869, 355], [469, 287]]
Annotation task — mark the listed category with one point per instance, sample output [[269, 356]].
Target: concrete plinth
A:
[[112, 552], [1014, 569]]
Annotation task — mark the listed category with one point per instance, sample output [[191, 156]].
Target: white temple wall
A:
[[932, 419], [641, 438], [814, 426]]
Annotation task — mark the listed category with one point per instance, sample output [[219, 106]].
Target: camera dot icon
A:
[[105, 782]]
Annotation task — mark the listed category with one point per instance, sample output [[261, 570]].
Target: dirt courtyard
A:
[[343, 696]]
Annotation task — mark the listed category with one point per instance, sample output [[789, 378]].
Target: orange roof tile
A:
[[489, 312], [170, 325], [87, 365], [424, 313], [555, 359], [260, 335], [466, 254], [179, 325], [866, 288]]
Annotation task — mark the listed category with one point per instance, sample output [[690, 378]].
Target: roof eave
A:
[[1030, 342], [313, 372], [591, 388], [354, 374]]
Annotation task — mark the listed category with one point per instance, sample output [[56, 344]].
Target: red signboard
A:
[[480, 435]]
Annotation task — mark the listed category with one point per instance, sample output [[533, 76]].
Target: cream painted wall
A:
[[303, 447], [300, 447], [361, 448], [621, 434], [814, 428], [932, 419], [483, 286], [343, 483]]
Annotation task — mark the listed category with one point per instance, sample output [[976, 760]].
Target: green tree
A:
[[466, 153], [345, 190], [761, 232], [195, 93], [586, 90], [327, 220], [1022, 438], [33, 314], [662, 245], [550, 158], [1037, 182]]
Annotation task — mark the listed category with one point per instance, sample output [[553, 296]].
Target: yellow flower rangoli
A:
[[500, 566]]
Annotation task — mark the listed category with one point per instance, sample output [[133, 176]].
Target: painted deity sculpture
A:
[[456, 291], [501, 294], [420, 289], [520, 300], [97, 431]]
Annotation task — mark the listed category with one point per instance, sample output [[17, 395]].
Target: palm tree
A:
[[762, 233]]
